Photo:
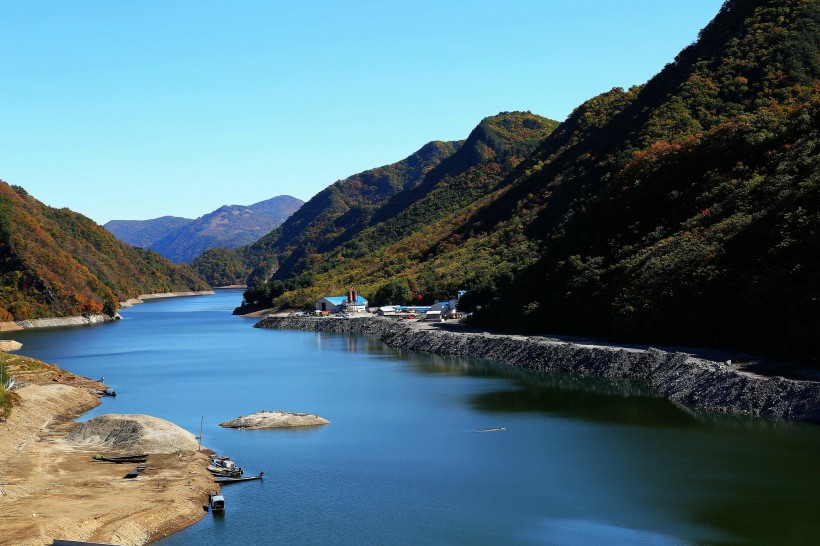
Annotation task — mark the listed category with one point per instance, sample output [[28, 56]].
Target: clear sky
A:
[[139, 109]]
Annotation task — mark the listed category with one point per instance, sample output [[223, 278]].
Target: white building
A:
[[442, 310], [352, 303]]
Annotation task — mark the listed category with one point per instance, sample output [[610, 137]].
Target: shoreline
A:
[[681, 377], [51, 488], [86, 320]]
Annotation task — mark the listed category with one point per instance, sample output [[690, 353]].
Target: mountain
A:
[[144, 233], [56, 262], [231, 226], [684, 211], [322, 222], [370, 241]]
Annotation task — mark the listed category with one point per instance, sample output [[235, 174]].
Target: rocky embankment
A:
[[681, 377]]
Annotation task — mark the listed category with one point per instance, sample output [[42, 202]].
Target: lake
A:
[[582, 461]]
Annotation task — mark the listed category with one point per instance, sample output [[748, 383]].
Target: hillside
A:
[[405, 245], [229, 226], [323, 221], [144, 233], [685, 211], [56, 262]]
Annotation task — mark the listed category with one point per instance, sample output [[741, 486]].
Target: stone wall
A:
[[680, 377]]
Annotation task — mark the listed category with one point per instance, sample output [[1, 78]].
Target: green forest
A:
[[681, 211]]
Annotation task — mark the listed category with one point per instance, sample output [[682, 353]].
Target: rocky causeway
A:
[[682, 377]]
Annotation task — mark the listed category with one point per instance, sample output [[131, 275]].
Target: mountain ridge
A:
[[229, 226]]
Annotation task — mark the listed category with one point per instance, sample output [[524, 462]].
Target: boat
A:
[[119, 459], [230, 479], [225, 465], [217, 502], [136, 471], [219, 471], [109, 392]]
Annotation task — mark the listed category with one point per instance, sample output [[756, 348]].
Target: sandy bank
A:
[[51, 488], [7, 345], [141, 298], [84, 320], [683, 378]]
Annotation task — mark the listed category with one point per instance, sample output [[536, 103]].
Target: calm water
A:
[[581, 461]]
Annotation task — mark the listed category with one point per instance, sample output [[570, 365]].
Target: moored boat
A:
[[136, 471], [220, 471], [231, 479], [140, 458], [217, 503]]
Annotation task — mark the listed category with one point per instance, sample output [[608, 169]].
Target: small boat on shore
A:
[[230, 479], [119, 459], [136, 471]]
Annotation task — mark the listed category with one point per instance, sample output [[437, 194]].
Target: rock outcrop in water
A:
[[680, 377], [275, 419]]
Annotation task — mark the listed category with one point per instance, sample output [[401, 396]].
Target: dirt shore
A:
[[51, 488]]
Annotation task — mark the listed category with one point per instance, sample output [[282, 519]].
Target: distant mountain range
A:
[[682, 211], [183, 239], [57, 263]]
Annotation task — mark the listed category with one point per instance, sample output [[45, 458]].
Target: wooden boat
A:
[[136, 471], [122, 458], [230, 479], [217, 503], [218, 471]]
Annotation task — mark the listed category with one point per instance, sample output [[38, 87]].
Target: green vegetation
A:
[[7, 398], [691, 214], [55, 262], [684, 211]]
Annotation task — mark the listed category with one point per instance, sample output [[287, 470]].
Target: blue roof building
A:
[[352, 303]]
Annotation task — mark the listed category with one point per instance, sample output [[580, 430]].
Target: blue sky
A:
[[134, 110]]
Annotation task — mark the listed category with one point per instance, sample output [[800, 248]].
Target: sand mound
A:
[[8, 345], [141, 433], [275, 419]]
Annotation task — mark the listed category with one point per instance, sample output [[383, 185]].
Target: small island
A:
[[275, 419]]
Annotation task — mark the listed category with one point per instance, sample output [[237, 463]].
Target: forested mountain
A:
[[320, 223], [55, 262], [229, 226], [402, 230], [685, 210], [144, 233]]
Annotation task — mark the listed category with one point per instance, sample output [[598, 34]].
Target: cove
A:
[[582, 461]]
